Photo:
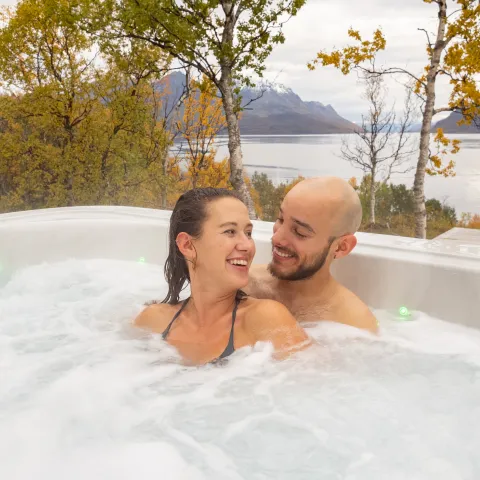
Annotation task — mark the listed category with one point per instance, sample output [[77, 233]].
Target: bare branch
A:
[[428, 36], [244, 107], [392, 70]]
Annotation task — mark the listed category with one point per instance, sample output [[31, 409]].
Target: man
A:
[[315, 226]]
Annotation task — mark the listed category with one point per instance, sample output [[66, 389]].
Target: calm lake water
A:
[[285, 157]]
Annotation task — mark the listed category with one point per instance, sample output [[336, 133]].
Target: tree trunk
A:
[[372, 198], [419, 183], [234, 144], [164, 190]]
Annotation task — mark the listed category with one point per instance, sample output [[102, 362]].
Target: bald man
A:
[[315, 226]]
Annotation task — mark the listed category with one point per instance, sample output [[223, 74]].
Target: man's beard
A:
[[303, 271]]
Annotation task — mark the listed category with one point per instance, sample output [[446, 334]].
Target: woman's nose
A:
[[245, 243]]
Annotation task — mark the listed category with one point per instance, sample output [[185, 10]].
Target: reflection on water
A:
[[285, 157], [296, 139]]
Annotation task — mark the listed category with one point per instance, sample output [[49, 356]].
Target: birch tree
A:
[[453, 53], [382, 146], [227, 41]]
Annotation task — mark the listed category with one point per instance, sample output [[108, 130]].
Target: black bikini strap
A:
[[167, 330], [231, 344]]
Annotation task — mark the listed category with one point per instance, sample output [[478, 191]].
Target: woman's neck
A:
[[207, 305]]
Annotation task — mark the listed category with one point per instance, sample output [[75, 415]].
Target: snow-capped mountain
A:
[[273, 108], [279, 110]]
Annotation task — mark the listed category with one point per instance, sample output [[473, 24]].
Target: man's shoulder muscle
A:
[[259, 282], [356, 313]]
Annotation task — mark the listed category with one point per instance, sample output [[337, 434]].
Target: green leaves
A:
[[207, 34]]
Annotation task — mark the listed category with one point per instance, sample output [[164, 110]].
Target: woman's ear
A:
[[185, 245]]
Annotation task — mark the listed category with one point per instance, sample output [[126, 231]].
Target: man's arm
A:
[[354, 312]]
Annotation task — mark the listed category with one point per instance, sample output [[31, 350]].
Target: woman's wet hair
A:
[[189, 215]]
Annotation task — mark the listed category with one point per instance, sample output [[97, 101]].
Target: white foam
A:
[[84, 395]]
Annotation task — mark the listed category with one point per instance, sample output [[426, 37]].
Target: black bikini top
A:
[[230, 348]]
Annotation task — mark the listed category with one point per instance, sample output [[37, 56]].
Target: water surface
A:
[[285, 157], [85, 396]]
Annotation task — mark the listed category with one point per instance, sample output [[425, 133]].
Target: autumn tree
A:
[[452, 53], [270, 196], [382, 146], [225, 40], [202, 120], [74, 131]]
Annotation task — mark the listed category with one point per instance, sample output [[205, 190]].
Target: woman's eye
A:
[[230, 232]]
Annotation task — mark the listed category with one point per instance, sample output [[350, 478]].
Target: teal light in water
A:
[[403, 311], [141, 260]]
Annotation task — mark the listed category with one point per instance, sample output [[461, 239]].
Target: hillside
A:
[[449, 125]]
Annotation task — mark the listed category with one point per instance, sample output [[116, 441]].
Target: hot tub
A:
[[84, 395]]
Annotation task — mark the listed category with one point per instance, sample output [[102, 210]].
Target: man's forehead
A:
[[313, 213]]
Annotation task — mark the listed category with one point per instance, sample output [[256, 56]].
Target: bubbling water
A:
[[84, 395]]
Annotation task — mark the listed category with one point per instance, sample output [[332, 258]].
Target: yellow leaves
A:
[[455, 145], [291, 184], [202, 120], [462, 60], [203, 116], [465, 97], [444, 146], [351, 56], [353, 182], [440, 138], [419, 84], [469, 221], [355, 34]]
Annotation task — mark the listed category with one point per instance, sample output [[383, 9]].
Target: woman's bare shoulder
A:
[[271, 321], [267, 311], [156, 316]]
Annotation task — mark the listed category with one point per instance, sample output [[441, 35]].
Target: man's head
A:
[[316, 223]]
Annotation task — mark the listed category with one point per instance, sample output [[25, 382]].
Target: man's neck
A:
[[319, 289]]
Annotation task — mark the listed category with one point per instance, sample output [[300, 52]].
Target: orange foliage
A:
[[291, 184], [470, 221], [443, 143], [202, 120]]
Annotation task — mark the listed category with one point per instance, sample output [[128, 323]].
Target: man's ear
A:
[[346, 244], [185, 245]]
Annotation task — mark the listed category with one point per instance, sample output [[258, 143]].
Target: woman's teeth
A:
[[243, 263]]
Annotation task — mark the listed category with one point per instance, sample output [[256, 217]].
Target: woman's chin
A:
[[237, 279]]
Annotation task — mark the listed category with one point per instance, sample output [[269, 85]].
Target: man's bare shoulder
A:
[[155, 317], [353, 311], [259, 282]]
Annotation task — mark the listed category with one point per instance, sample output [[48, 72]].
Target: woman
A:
[[211, 247]]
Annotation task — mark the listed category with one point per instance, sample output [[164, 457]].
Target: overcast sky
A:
[[323, 24]]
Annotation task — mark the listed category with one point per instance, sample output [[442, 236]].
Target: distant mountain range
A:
[[449, 125], [274, 109], [279, 110]]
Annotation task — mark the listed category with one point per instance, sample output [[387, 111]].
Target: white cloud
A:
[[323, 24]]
